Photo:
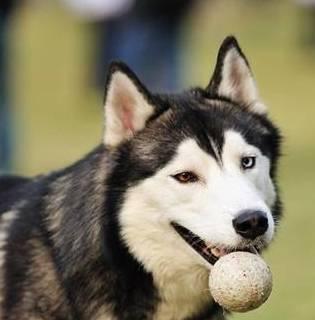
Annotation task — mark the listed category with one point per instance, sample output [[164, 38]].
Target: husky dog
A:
[[131, 231]]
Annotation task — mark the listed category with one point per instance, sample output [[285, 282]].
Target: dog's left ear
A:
[[233, 78], [127, 105]]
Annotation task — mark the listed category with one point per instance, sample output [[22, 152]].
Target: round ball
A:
[[240, 281]]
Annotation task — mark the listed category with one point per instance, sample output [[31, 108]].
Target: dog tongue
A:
[[220, 252]]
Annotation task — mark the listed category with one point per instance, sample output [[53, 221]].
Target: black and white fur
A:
[[95, 240]]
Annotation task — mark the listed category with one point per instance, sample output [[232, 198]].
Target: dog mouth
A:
[[209, 252]]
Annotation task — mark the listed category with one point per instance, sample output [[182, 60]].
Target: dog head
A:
[[198, 166]]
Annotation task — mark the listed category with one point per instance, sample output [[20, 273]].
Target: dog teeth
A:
[[215, 252], [218, 252]]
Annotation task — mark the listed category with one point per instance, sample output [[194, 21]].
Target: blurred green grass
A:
[[59, 117]]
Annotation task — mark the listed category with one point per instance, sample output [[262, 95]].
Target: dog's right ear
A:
[[233, 78], [127, 105]]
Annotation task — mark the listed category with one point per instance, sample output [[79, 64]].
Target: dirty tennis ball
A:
[[240, 281]]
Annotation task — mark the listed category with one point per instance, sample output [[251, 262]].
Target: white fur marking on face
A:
[[178, 271], [126, 109], [238, 83], [207, 207], [257, 184], [236, 147]]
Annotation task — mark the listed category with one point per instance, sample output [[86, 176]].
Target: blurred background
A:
[[53, 58]]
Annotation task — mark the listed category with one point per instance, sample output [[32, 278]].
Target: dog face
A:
[[199, 166]]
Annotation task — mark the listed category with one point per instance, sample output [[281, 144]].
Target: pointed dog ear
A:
[[126, 103], [232, 77]]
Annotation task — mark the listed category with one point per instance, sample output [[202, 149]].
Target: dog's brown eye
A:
[[248, 162], [185, 177]]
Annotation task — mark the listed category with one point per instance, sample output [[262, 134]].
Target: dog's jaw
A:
[[181, 280]]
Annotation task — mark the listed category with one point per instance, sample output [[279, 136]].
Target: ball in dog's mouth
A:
[[241, 281], [209, 252]]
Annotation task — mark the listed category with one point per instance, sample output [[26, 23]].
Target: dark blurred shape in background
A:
[[6, 122], [144, 34], [146, 38]]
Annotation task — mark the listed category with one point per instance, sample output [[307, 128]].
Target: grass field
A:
[[59, 117]]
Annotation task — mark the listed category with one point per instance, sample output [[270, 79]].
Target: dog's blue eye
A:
[[248, 162], [185, 177]]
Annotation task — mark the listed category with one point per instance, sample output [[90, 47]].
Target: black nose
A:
[[251, 224]]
